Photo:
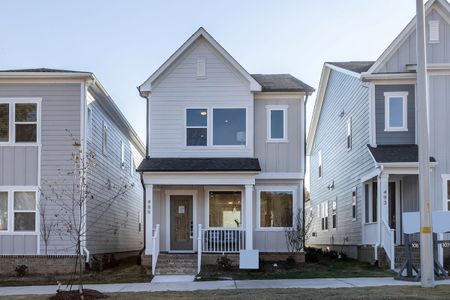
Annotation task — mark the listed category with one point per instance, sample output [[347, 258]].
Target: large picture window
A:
[[225, 209], [24, 211], [4, 122], [396, 108], [276, 209], [229, 126], [196, 127]]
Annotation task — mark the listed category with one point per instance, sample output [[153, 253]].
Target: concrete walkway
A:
[[167, 283]]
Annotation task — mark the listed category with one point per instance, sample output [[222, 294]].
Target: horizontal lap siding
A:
[[112, 221], [345, 94], [179, 88]]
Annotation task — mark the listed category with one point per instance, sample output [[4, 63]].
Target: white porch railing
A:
[[155, 250], [221, 240], [387, 241], [199, 248]]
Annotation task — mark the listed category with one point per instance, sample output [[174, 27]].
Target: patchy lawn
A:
[[376, 293], [126, 271], [325, 268]]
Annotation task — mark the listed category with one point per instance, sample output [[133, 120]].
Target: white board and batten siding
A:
[[179, 88]]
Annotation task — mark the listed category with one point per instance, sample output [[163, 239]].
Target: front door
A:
[[181, 223], [394, 210]]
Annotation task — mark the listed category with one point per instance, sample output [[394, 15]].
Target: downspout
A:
[[304, 161]]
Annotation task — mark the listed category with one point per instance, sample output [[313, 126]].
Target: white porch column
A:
[[384, 197], [248, 216], [148, 219]]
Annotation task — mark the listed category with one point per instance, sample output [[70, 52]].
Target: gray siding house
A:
[[225, 160], [363, 148], [39, 110]]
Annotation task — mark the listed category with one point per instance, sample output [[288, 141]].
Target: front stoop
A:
[[176, 264]]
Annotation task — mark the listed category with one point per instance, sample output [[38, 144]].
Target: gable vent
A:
[[434, 31], [201, 67]]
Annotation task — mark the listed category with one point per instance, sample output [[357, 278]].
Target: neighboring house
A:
[[38, 110], [363, 148], [225, 160]]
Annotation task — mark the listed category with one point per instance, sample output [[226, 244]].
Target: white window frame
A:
[[349, 136], [387, 97], [324, 215], [333, 213], [269, 109], [319, 164], [370, 203], [354, 203], [122, 155], [433, 28], [105, 138], [12, 120], [89, 123], [225, 189], [10, 190], [207, 127], [259, 189], [246, 128], [445, 199]]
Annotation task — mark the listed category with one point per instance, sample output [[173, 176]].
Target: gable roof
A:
[[405, 33], [146, 87], [353, 66], [281, 83]]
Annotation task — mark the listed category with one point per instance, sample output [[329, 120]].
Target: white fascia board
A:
[[388, 76], [146, 87], [280, 175], [48, 75], [279, 95], [199, 178], [317, 108], [342, 70]]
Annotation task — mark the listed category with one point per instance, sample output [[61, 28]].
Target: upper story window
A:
[[276, 123], [89, 123], [196, 127], [433, 35], [396, 111], [320, 170], [19, 121], [229, 126], [349, 138], [354, 204], [334, 214], [105, 138]]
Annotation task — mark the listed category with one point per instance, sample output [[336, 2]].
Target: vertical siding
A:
[[436, 52], [396, 137], [113, 222], [410, 193], [344, 94], [179, 88], [283, 156], [19, 165]]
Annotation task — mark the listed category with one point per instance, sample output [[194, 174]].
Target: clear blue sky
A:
[[123, 42]]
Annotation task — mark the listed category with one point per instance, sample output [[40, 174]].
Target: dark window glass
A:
[[24, 221], [276, 124], [196, 136], [374, 202], [26, 132], [26, 112], [196, 117], [4, 122], [276, 209], [229, 126]]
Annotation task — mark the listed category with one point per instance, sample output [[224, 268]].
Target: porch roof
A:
[[203, 164], [396, 154]]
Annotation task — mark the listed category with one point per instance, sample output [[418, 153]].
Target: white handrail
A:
[[387, 240], [155, 250], [199, 248]]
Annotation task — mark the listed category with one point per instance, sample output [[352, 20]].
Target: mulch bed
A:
[[75, 295]]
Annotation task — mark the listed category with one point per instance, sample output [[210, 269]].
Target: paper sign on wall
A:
[[181, 209]]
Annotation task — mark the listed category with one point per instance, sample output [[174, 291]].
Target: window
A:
[[122, 155], [24, 211], [349, 134], [396, 116], [105, 138], [433, 26], [26, 122], [371, 199], [196, 127], [446, 191], [276, 209], [89, 123], [324, 215], [4, 122], [229, 126], [334, 214], [320, 163], [354, 204], [276, 123], [3, 211], [225, 209]]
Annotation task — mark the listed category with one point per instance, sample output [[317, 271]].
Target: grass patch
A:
[[324, 268], [126, 271]]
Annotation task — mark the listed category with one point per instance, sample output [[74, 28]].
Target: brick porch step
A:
[[176, 264]]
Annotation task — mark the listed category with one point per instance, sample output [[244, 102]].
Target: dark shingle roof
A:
[[396, 153], [354, 66], [43, 70], [199, 164], [281, 83]]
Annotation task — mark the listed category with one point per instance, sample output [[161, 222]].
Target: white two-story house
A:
[[225, 154]]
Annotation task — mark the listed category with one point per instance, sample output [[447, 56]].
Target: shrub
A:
[[224, 263], [312, 254], [97, 265], [21, 270], [342, 256], [290, 262]]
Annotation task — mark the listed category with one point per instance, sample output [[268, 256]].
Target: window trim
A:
[[105, 138], [10, 190], [387, 97], [445, 199], [269, 109], [207, 128], [280, 188], [224, 189], [333, 213], [355, 203], [12, 101], [320, 164], [324, 214], [349, 136]]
